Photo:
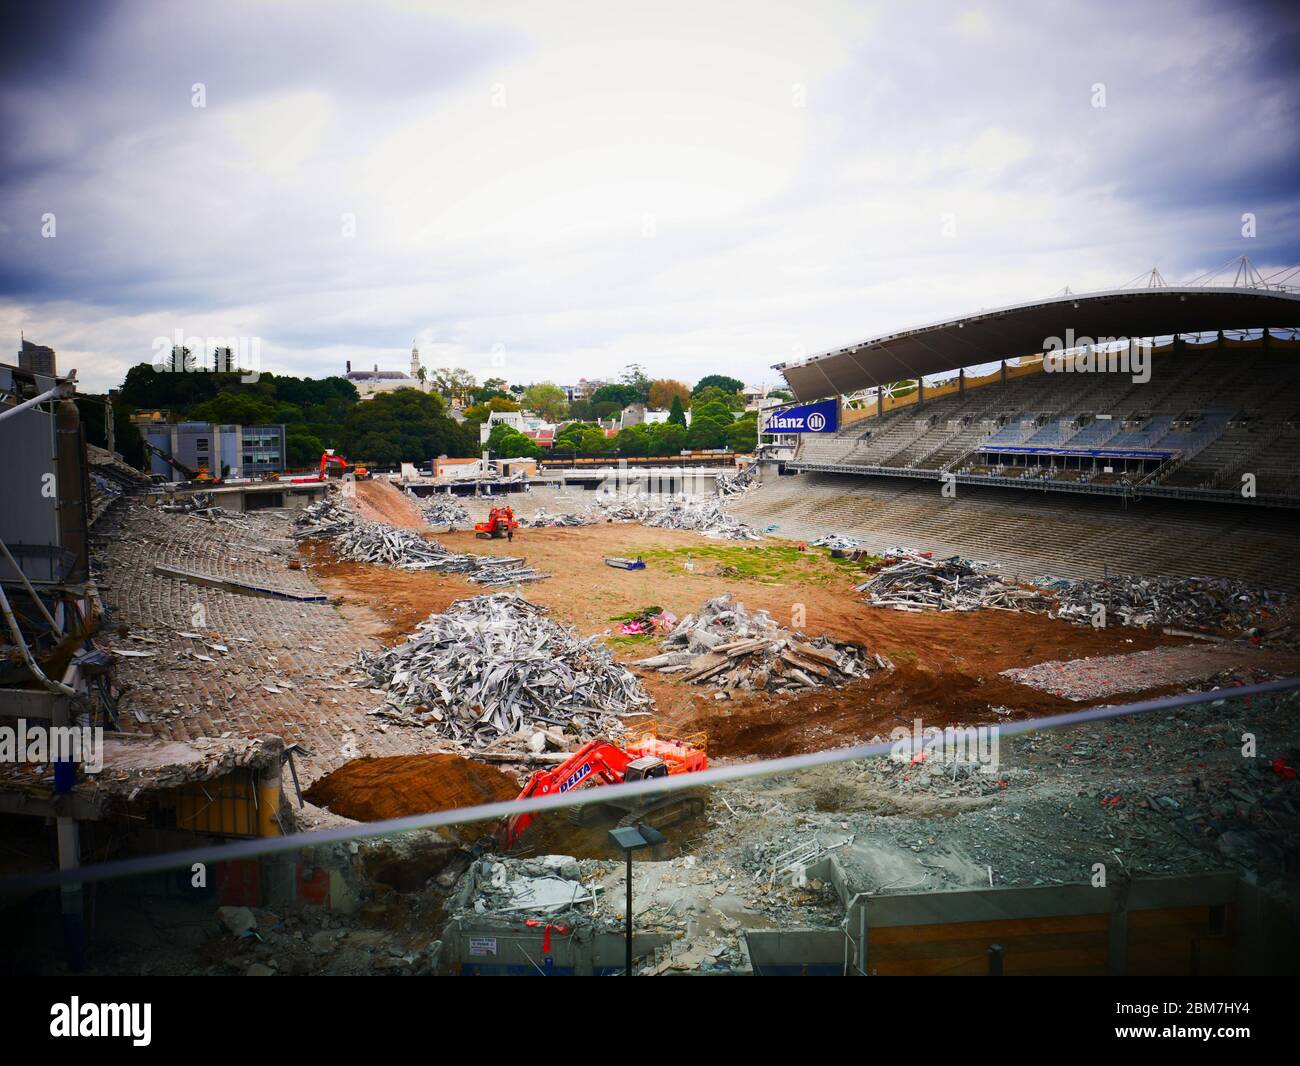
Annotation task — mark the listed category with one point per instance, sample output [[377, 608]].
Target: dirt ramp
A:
[[372, 789]]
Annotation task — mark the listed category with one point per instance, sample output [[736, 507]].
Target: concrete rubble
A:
[[735, 649], [495, 665]]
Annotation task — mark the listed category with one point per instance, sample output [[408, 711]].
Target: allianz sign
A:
[[820, 417]]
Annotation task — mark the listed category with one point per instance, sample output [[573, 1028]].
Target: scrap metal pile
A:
[[544, 519], [734, 649], [733, 485], [914, 581], [496, 665], [442, 510], [404, 549], [705, 517], [1202, 602]]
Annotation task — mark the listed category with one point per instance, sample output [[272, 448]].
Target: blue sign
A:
[[820, 417]]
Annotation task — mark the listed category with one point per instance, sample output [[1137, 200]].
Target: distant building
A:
[[526, 422], [635, 414], [583, 389], [226, 450], [36, 358], [370, 382]]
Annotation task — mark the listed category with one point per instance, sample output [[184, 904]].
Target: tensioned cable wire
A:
[[245, 849]]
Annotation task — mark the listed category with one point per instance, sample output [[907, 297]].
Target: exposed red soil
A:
[[369, 790], [381, 501], [947, 664]]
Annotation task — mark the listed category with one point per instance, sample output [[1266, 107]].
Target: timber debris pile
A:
[[495, 665], [732, 648], [915, 581]]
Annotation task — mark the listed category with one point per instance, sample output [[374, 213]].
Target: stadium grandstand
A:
[[1188, 392]]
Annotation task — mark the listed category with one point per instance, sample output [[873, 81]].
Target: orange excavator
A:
[[501, 522], [327, 457], [598, 762]]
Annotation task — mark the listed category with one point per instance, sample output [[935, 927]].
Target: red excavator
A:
[[599, 762], [501, 522], [327, 457]]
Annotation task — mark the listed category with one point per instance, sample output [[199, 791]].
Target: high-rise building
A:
[[36, 358]]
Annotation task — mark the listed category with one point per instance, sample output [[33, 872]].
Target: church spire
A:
[[415, 360]]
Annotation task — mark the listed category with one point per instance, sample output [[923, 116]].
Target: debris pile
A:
[[495, 665], [914, 581], [442, 510], [705, 517], [837, 540], [1203, 603], [328, 518], [543, 519], [731, 486], [734, 649], [405, 549]]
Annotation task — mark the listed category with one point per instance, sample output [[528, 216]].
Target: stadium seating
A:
[[1217, 415]]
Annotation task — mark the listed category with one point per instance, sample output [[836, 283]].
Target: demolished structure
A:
[[496, 665], [735, 649]]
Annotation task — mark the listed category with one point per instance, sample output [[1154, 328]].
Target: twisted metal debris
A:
[[1200, 602], [705, 517], [496, 665], [442, 510], [543, 519], [734, 649], [404, 549], [916, 582]]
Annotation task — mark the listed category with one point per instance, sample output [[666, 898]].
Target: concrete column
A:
[[1004, 371], [880, 401], [961, 381], [920, 391]]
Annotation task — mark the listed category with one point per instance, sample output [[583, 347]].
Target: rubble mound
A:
[[495, 665], [373, 789], [734, 649], [402, 548], [543, 519], [910, 580], [442, 510], [1199, 602], [705, 517]]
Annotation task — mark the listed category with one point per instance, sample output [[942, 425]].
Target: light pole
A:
[[632, 838]]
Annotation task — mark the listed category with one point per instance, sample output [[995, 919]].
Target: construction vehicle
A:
[[501, 522], [598, 762], [328, 458], [188, 473]]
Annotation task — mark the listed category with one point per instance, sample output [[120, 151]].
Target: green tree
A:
[[677, 414], [719, 381], [506, 442], [405, 425], [742, 434], [547, 400], [618, 394]]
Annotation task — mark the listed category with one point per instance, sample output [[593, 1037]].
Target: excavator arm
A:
[[596, 761]]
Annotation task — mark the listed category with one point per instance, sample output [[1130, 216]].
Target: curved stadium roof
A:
[[1020, 330]]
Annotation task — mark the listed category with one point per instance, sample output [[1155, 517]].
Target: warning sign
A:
[[483, 945]]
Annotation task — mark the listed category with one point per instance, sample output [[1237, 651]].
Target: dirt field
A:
[[947, 664]]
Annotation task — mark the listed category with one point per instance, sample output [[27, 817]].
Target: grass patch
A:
[[767, 564], [630, 640]]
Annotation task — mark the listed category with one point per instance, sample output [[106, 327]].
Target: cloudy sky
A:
[[548, 191]]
